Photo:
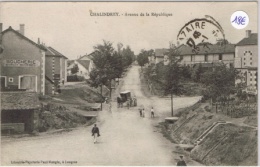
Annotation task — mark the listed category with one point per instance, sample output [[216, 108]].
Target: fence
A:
[[235, 110]]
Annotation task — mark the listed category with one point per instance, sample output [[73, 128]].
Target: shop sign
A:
[[21, 63]]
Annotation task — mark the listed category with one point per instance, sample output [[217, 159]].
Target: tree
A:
[[173, 74], [197, 72], [102, 58], [128, 57], [142, 58], [75, 69], [220, 82], [186, 72]]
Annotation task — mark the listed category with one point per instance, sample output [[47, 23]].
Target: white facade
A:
[[83, 71]]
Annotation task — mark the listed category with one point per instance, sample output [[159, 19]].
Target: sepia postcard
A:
[[129, 83]]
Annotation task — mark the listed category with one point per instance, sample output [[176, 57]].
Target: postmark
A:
[[201, 31]]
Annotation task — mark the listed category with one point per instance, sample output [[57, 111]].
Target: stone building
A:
[[22, 62], [246, 61], [19, 111]]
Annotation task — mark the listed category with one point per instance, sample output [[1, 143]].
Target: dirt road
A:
[[126, 138]]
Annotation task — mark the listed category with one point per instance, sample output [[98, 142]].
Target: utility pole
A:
[[101, 96], [171, 89], [171, 102], [110, 88]]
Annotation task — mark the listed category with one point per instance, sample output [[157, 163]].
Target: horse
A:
[[119, 102]]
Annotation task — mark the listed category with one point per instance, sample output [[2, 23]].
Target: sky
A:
[[69, 28]]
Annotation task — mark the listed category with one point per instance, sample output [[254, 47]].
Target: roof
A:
[[57, 53], [69, 62], [160, 52], [209, 49], [19, 100], [24, 37], [252, 40], [124, 92], [87, 56], [84, 63], [52, 52]]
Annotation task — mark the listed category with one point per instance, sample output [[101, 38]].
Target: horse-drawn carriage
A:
[[125, 96]]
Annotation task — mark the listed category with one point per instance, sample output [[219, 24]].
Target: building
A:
[[84, 68], [159, 56], [87, 56], [22, 62], [55, 69], [19, 111], [246, 61], [207, 54]]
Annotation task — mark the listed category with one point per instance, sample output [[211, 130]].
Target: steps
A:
[[207, 131], [188, 119], [213, 148]]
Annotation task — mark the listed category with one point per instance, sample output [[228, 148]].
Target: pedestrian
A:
[[181, 162], [140, 111], [152, 112], [95, 133], [131, 102], [128, 104], [143, 112]]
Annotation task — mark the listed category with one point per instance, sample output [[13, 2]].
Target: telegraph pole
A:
[[101, 96]]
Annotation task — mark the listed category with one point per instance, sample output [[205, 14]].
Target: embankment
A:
[[56, 116], [216, 139]]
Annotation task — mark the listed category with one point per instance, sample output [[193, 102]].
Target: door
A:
[[3, 82], [28, 83]]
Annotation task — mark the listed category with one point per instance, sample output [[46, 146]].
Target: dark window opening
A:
[[220, 57], [206, 58]]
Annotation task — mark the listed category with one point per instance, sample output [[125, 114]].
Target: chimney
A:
[[39, 42], [22, 29], [1, 27], [248, 33]]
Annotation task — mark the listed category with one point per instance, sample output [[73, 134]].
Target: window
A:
[[28, 82], [220, 57], [10, 79], [251, 63], [3, 82], [206, 58]]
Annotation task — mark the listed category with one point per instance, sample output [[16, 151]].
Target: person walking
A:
[[143, 112], [140, 111], [128, 104], [181, 162], [95, 133], [152, 112]]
